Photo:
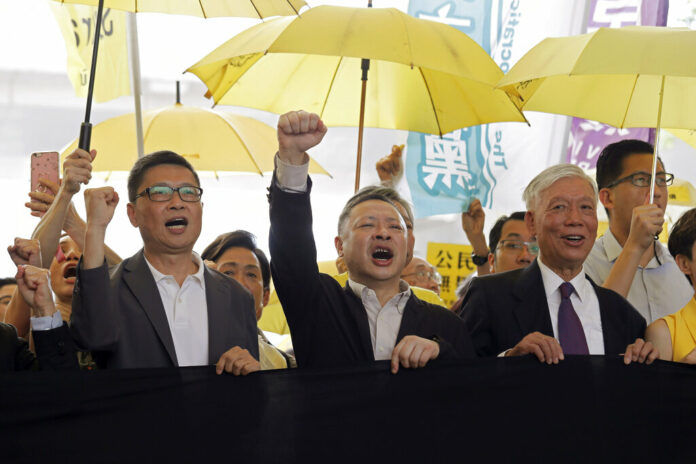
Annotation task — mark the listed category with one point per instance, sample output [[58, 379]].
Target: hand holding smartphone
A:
[[44, 165]]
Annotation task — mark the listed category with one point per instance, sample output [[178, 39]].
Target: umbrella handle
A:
[[85, 135]]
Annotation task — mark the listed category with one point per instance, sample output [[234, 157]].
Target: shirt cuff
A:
[[46, 322], [502, 355], [291, 177]]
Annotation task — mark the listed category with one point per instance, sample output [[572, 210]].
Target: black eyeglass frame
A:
[[669, 179], [173, 189]]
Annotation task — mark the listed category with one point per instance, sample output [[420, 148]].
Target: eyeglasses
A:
[[187, 193], [642, 179], [516, 246], [424, 276]]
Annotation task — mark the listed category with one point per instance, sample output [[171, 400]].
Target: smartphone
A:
[[44, 165]]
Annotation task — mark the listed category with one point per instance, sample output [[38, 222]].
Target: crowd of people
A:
[[546, 286]]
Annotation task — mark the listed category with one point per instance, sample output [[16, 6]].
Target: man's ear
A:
[[130, 208], [684, 264], [606, 197], [266, 296], [338, 243], [491, 261], [530, 223]]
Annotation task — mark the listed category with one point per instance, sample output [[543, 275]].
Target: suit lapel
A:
[[411, 319], [362, 325], [612, 327], [219, 311], [140, 281], [532, 312]]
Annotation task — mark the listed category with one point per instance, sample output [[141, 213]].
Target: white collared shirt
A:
[[187, 313], [384, 321], [657, 290], [585, 303]]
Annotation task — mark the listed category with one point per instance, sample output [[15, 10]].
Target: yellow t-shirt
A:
[[682, 328], [273, 318]]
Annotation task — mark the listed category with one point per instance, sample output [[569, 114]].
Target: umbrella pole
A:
[[136, 81], [365, 67], [86, 127], [657, 141]]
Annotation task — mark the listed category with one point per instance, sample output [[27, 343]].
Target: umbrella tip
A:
[[178, 92]]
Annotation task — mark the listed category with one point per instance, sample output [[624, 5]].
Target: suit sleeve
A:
[[476, 315], [55, 349], [293, 254], [460, 346], [94, 321]]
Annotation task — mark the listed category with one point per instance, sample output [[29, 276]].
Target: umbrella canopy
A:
[[210, 140], [614, 76], [424, 76], [203, 8]]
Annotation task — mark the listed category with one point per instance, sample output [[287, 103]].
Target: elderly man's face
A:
[[564, 222], [374, 244], [168, 226], [419, 273]]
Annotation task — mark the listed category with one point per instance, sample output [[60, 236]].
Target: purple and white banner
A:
[[588, 138]]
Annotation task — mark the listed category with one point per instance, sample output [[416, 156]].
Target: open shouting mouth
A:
[[382, 256], [177, 225]]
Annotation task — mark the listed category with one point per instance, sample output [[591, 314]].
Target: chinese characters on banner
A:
[[491, 162], [77, 24], [588, 138], [453, 262]]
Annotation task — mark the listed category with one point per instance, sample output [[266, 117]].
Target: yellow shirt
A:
[[682, 328], [273, 318]]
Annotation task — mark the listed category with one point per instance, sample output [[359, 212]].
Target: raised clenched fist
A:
[[32, 283], [25, 251], [100, 204], [298, 131]]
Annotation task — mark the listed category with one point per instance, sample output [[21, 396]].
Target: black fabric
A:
[[328, 323], [501, 309], [585, 409], [54, 350]]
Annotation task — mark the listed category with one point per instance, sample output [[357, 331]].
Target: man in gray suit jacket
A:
[[162, 306]]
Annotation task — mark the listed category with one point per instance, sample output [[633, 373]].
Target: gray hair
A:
[[372, 192], [548, 177]]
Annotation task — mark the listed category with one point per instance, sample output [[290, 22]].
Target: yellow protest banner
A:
[[453, 262], [77, 24]]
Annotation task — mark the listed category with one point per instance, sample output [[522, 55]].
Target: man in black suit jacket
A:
[[52, 341], [526, 311], [162, 306], [375, 316]]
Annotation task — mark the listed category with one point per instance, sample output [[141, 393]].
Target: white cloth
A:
[[658, 290], [187, 313], [585, 303], [384, 321], [291, 177], [46, 322]]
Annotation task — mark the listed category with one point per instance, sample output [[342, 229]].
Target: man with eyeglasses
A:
[[627, 258], [420, 273], [162, 306]]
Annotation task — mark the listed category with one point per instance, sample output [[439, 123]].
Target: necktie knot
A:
[[567, 289]]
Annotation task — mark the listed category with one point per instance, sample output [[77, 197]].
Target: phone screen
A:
[[44, 165]]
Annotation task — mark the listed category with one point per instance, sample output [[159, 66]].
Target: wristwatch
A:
[[478, 260]]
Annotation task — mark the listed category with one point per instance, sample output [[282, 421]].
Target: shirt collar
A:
[[197, 276], [613, 249], [553, 281], [362, 291]]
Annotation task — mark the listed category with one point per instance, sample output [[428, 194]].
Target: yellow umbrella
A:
[[210, 140], [203, 8], [425, 76], [635, 76]]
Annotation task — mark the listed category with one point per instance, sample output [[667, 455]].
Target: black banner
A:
[[586, 409]]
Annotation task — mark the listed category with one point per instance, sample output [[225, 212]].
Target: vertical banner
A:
[[454, 264], [77, 24], [491, 162], [588, 138]]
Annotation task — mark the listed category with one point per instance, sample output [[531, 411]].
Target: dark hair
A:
[[363, 195], [610, 161], [7, 281], [239, 239], [497, 229], [683, 235], [137, 172]]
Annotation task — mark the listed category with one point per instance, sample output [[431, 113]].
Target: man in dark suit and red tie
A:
[[551, 308]]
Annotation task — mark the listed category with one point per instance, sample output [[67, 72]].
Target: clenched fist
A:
[[33, 284], [77, 169], [100, 204], [25, 251], [390, 167], [298, 131]]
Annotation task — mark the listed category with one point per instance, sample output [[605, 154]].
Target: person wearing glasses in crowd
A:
[[162, 306], [8, 286], [627, 258], [420, 273]]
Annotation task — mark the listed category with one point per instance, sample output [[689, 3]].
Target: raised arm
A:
[[472, 224], [22, 252]]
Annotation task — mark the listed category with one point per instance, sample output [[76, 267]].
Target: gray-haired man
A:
[[552, 308]]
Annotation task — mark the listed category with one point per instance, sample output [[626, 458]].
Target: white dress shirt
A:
[[291, 177], [384, 321], [585, 303], [187, 313], [658, 289]]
